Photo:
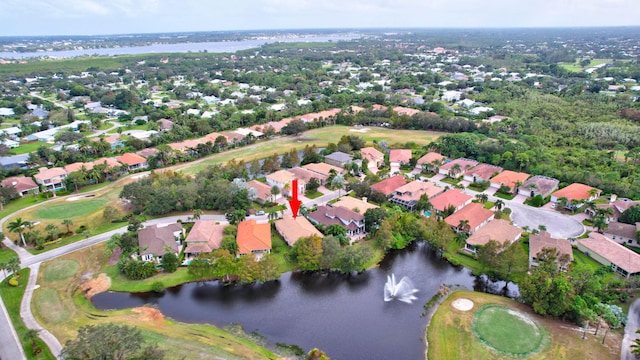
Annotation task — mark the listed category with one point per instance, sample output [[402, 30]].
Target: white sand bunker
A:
[[462, 304], [363, 130]]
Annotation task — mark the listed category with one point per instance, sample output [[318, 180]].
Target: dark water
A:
[[212, 47], [343, 315]]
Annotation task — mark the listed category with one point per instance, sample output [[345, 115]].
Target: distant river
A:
[[345, 316], [212, 47]]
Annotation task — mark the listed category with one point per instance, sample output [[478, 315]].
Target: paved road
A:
[[633, 324]]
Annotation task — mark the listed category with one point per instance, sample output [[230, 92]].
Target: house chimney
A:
[[613, 198]]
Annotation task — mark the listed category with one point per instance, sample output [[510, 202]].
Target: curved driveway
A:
[[558, 225]]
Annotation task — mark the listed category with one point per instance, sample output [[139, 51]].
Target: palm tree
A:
[[593, 192], [464, 225], [67, 223], [17, 226], [13, 266], [482, 197], [455, 170], [600, 223], [499, 204], [273, 215], [197, 213], [562, 202]]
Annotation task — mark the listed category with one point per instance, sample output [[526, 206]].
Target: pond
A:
[[345, 316]]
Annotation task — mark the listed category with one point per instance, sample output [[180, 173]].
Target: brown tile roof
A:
[[498, 230], [574, 191], [624, 204], [165, 124], [109, 162], [464, 164], [371, 154], [388, 186], [474, 212], [253, 237], [484, 171], [263, 190], [281, 176], [154, 238], [329, 215], [543, 185], [353, 203], [131, 159], [405, 111], [429, 157], [415, 189], [293, 229], [613, 252], [20, 183], [77, 166], [146, 153], [204, 237], [276, 125], [537, 242], [400, 155], [46, 174], [451, 197], [323, 168], [621, 229], [306, 175], [232, 136], [510, 178]]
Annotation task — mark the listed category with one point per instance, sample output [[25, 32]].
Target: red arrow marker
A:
[[294, 203]]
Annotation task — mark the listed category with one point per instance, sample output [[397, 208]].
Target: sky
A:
[[98, 17]]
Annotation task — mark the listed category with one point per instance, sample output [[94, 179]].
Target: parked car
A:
[[259, 213]]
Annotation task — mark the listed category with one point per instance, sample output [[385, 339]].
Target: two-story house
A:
[[51, 179], [329, 215]]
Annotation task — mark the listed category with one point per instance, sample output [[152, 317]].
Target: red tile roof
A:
[[253, 237], [131, 159], [474, 212], [371, 154], [451, 197], [574, 191], [464, 164], [400, 155], [429, 157], [263, 190], [483, 172], [204, 237], [388, 186], [499, 230], [20, 183], [510, 178]]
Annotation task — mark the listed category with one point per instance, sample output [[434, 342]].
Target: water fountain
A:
[[401, 291]]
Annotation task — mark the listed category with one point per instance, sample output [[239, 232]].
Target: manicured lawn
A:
[[451, 181], [59, 270], [27, 148], [120, 282], [489, 205], [70, 209], [11, 297], [313, 195], [6, 254], [580, 258], [21, 203], [450, 333], [99, 228], [504, 196]]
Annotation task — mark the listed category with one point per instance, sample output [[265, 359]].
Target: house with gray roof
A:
[[338, 159], [156, 240], [622, 233]]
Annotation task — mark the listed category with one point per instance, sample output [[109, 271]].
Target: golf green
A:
[[69, 210], [507, 330]]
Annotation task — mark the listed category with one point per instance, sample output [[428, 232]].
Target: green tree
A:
[[353, 259], [170, 262], [236, 216], [110, 213], [13, 265], [67, 223], [17, 226], [631, 215], [53, 231], [317, 354], [313, 185], [230, 244], [110, 341], [374, 217], [307, 252]]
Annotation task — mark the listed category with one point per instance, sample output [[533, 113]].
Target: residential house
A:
[[622, 233], [498, 229], [338, 159], [618, 205], [431, 161], [204, 237], [293, 230], [13, 132], [482, 173], [409, 194], [304, 175], [330, 215], [509, 178], [323, 169], [538, 185], [576, 194], [470, 218], [388, 186], [400, 110], [22, 184], [147, 152], [115, 141], [457, 167], [156, 240], [609, 253], [283, 180], [253, 238], [165, 124], [263, 191], [455, 198], [399, 157], [357, 205], [51, 179], [78, 166], [133, 161], [543, 240], [373, 156]]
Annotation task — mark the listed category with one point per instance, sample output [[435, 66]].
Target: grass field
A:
[[60, 270], [508, 331], [450, 335], [69, 209], [60, 308], [11, 297], [576, 67], [28, 148]]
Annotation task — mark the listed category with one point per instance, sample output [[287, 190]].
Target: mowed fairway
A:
[[451, 333], [69, 209]]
